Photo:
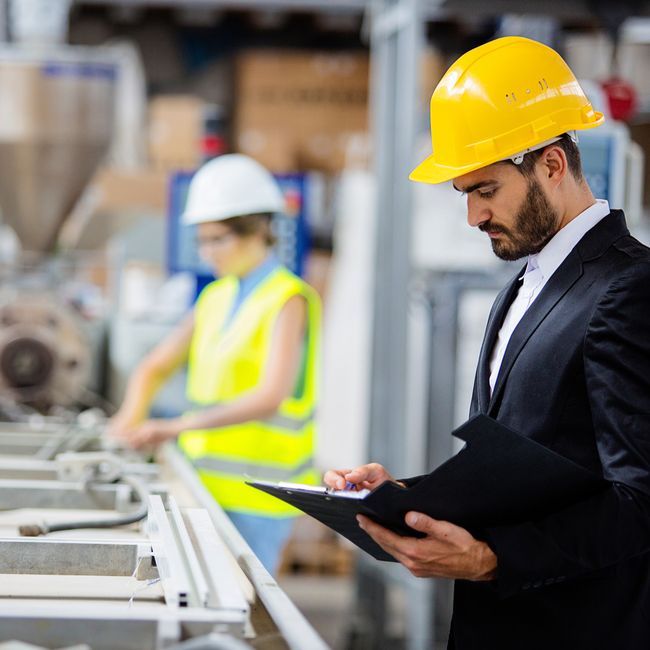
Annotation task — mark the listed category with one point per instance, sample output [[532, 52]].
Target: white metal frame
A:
[[295, 629]]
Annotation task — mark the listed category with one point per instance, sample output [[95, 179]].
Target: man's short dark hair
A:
[[570, 149]]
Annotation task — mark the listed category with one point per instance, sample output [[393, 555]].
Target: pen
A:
[[349, 486]]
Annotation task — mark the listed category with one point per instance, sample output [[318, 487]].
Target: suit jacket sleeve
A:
[[614, 525]]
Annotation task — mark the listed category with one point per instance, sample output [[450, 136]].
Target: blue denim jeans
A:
[[265, 535]]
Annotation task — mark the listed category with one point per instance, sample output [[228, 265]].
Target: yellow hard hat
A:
[[498, 100]]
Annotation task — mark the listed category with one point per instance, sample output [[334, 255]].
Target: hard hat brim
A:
[[189, 218], [431, 171], [228, 186]]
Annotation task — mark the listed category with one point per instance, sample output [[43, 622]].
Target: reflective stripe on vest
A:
[[228, 361], [250, 470], [233, 493], [295, 425], [290, 424]]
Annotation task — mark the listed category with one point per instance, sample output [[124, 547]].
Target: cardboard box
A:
[[144, 190], [175, 131], [114, 199], [296, 110]]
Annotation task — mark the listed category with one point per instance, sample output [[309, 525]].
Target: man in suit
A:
[[565, 361]]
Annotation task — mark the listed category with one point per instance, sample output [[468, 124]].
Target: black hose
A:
[[140, 488]]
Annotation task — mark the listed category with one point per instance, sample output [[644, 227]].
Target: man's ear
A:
[[553, 165]]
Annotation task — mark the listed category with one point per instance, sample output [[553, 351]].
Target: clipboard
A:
[[500, 477]]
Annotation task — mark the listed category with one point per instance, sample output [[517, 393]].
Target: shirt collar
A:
[[565, 239], [248, 282]]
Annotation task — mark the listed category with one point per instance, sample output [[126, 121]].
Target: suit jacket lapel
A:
[[558, 284], [499, 311]]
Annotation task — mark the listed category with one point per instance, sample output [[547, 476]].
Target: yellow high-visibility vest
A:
[[228, 360]]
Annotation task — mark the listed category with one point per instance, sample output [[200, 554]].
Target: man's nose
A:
[[476, 213]]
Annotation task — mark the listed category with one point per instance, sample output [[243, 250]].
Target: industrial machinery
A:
[[44, 355], [56, 112], [101, 549]]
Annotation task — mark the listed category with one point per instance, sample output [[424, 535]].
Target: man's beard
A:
[[535, 223]]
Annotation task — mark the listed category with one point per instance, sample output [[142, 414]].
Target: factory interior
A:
[[107, 110]]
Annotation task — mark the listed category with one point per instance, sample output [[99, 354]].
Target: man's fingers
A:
[[444, 531], [356, 476], [401, 548], [369, 473], [335, 478], [380, 534], [368, 476], [363, 473], [424, 523]]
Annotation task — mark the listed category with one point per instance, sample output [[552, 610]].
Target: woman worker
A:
[[250, 345]]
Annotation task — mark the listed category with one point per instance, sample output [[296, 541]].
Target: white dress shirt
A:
[[539, 269]]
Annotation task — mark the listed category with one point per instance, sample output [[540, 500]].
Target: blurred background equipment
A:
[[45, 356], [56, 117], [57, 111]]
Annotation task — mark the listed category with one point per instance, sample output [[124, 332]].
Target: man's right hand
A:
[[367, 476]]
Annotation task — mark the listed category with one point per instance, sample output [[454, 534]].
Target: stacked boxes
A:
[[297, 110]]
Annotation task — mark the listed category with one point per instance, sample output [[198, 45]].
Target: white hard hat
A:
[[232, 185]]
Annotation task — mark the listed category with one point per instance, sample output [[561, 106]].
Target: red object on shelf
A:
[[621, 97], [212, 145]]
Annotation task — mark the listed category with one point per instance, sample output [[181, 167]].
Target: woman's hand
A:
[[121, 425], [152, 433]]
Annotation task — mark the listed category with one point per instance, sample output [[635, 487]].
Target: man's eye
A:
[[488, 194]]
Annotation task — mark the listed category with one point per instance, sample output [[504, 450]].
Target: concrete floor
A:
[[325, 601]]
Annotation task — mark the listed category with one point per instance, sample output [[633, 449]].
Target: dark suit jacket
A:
[[576, 378]]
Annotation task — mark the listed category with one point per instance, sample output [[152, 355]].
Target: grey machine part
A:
[[56, 117], [194, 603], [173, 583], [292, 625]]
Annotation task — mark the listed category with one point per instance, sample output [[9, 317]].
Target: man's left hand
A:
[[447, 551]]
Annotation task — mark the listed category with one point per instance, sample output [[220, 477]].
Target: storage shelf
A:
[[431, 9], [329, 6]]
